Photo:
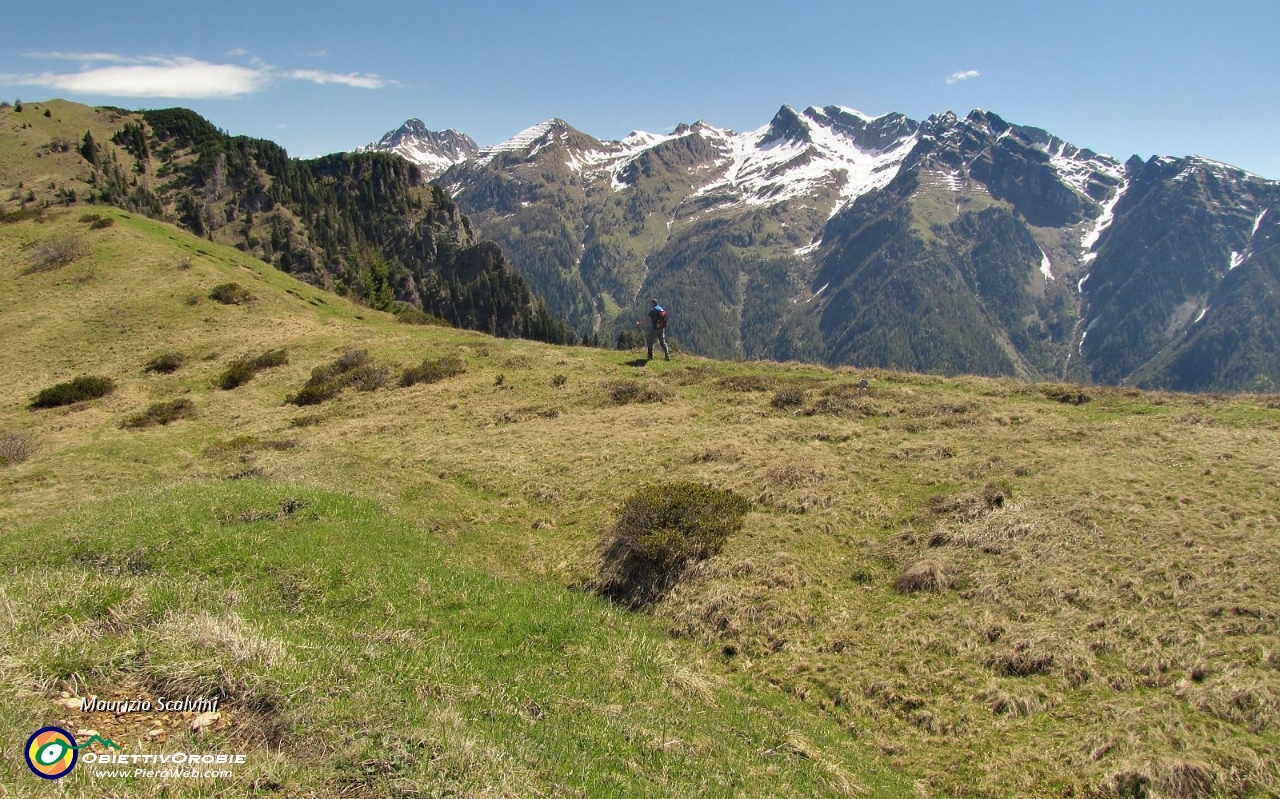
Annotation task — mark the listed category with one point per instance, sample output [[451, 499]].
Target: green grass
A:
[[327, 626], [1109, 623]]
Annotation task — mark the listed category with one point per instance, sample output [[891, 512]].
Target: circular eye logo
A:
[[51, 753]]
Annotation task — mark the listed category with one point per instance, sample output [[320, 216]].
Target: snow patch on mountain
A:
[[1090, 238], [801, 252], [1046, 268], [950, 180], [1077, 168], [762, 170], [518, 143]]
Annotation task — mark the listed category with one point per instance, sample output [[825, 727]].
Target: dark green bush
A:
[[104, 222], [433, 370], [162, 413], [353, 368], [77, 390], [315, 393], [22, 215], [242, 370], [231, 294], [271, 359], [661, 529], [165, 363], [237, 373]]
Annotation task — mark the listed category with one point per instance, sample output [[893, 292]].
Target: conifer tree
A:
[[89, 148], [377, 280]]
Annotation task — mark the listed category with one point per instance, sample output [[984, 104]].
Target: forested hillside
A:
[[358, 224]]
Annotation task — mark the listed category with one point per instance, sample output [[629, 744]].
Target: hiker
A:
[[657, 329]]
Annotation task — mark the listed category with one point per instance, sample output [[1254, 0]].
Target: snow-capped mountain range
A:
[[953, 244]]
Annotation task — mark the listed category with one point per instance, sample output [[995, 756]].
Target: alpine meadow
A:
[[295, 436]]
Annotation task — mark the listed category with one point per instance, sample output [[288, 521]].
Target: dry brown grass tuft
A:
[[793, 474], [624, 392], [748, 383], [1018, 702], [207, 655], [1023, 659], [926, 574], [693, 684], [1185, 777], [1252, 703]]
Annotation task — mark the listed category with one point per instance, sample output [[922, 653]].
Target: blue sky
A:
[[1152, 78]]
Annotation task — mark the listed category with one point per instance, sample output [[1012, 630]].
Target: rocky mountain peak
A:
[[433, 151], [786, 126]]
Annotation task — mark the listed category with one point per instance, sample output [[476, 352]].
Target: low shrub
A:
[[786, 398], [408, 315], [747, 382], [433, 370], [244, 445], [1068, 394], [22, 215], [559, 380], [80, 389], [18, 447], [56, 252], [352, 368], [165, 363], [271, 359], [231, 294], [162, 413], [624, 392], [104, 222], [242, 370], [661, 529]]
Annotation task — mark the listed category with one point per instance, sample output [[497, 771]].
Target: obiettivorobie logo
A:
[[52, 752]]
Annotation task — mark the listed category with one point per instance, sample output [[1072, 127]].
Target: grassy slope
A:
[[25, 156], [996, 592], [372, 623]]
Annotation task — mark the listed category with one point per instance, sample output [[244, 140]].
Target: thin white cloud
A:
[[178, 77], [354, 79], [956, 77], [94, 58], [239, 52]]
